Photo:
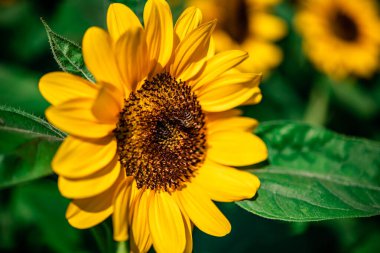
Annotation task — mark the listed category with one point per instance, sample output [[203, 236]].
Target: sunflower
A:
[[247, 25], [341, 37], [152, 142]]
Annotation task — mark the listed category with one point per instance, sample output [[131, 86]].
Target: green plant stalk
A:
[[317, 109], [103, 237], [122, 247]]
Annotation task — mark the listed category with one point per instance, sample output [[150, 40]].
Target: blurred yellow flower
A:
[[154, 141], [247, 25], [7, 2], [341, 37]]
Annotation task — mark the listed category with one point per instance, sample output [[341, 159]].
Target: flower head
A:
[[341, 37], [152, 142], [248, 25]]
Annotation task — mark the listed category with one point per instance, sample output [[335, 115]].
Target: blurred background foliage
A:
[[32, 214]]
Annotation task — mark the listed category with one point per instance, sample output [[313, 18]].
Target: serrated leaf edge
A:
[[52, 43], [60, 135]]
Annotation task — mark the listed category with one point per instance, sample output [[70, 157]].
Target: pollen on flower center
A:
[[344, 27], [161, 134]]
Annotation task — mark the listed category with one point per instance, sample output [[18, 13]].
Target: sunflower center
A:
[[236, 23], [161, 134], [345, 27]]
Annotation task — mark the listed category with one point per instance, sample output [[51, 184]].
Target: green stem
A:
[[103, 237], [122, 247], [317, 110]]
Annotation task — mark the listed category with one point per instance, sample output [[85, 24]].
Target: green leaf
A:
[[27, 145], [315, 174], [67, 54], [37, 209]]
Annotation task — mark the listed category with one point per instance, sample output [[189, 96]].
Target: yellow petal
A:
[[236, 148], [78, 158], [121, 19], [267, 27], [232, 123], [255, 99], [59, 87], [83, 219], [91, 185], [187, 22], [225, 41], [132, 57], [262, 4], [218, 65], [263, 55], [99, 57], [141, 239], [134, 200], [202, 211], [166, 224], [212, 116], [88, 212], [228, 79], [228, 91], [121, 210], [159, 32], [226, 184], [189, 233], [75, 117], [190, 55], [211, 48], [108, 104]]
